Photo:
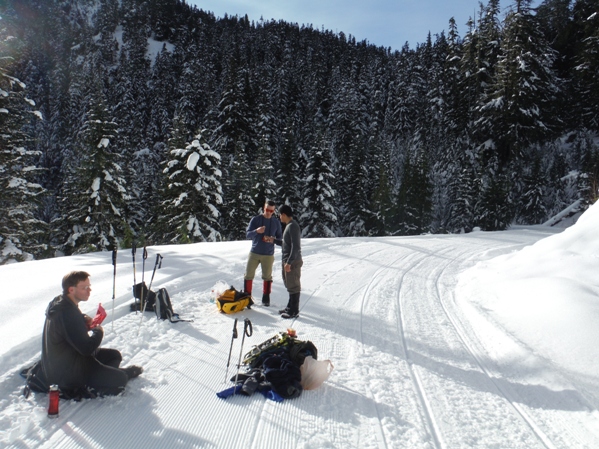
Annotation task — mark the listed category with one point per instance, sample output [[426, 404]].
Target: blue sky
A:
[[388, 23]]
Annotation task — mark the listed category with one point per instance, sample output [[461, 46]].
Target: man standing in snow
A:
[[71, 357], [292, 261], [263, 229]]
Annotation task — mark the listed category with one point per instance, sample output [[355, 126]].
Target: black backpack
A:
[[164, 308], [149, 298]]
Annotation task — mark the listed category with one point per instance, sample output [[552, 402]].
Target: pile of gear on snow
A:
[[279, 368]]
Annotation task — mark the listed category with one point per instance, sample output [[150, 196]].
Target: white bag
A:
[[315, 372]]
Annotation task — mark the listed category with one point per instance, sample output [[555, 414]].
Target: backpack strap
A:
[[175, 319]]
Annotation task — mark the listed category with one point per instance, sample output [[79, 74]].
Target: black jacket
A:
[[67, 348]]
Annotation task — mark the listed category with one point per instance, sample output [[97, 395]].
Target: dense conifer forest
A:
[[153, 121]]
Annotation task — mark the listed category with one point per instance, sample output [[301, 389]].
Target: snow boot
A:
[[133, 371], [289, 315], [293, 311], [247, 286], [266, 289]]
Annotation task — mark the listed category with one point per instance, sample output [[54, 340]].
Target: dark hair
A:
[[270, 203], [72, 279], [286, 209]]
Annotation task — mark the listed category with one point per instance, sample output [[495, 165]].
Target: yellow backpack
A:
[[232, 301]]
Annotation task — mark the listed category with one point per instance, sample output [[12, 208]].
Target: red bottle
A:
[[53, 402]]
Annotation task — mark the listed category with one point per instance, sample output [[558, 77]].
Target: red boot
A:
[[266, 289], [247, 286]]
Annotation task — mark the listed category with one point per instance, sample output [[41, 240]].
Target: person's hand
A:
[[268, 239], [88, 321], [287, 268], [261, 229]]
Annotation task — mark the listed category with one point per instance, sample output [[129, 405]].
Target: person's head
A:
[[269, 208], [286, 213], [76, 286]]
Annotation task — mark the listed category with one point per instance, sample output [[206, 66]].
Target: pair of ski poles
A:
[[157, 265], [247, 330]]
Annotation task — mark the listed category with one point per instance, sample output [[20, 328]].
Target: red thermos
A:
[[53, 402]]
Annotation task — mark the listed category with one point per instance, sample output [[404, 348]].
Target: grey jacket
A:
[[291, 243]]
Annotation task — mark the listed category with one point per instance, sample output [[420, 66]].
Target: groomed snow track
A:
[[411, 367]]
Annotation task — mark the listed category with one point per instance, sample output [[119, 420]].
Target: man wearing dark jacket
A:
[[291, 260], [71, 357]]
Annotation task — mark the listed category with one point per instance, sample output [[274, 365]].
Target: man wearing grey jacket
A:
[[291, 260]]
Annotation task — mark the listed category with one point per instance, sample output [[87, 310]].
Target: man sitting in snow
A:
[[71, 357]]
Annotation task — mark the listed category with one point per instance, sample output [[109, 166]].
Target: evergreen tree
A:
[[414, 198], [464, 191], [521, 107], [589, 177], [485, 54], [238, 195], [587, 69], [287, 176], [21, 233], [163, 85], [191, 210], [455, 119], [357, 210], [494, 210], [264, 186], [130, 86], [533, 205], [96, 196], [319, 218], [379, 223]]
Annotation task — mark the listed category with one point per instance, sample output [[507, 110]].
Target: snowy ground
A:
[[485, 340]]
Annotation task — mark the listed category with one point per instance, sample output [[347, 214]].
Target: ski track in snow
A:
[[414, 367]]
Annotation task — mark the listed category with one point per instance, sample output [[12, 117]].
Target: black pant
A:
[[105, 375]]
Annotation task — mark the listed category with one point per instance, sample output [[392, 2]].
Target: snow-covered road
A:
[[417, 365]]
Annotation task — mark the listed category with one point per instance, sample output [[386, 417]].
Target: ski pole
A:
[[158, 265], [113, 284], [234, 336], [247, 330], [133, 249], [143, 274]]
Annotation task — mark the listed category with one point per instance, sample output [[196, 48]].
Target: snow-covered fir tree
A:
[[521, 106], [463, 191], [319, 217], [287, 175], [95, 195], [21, 233], [534, 210], [191, 210], [587, 66], [239, 202], [494, 209], [414, 197], [264, 184]]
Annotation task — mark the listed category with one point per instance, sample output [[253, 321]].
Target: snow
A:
[[155, 47], [192, 161], [96, 184], [480, 340]]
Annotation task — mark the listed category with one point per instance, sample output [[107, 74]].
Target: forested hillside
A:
[[151, 120]]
